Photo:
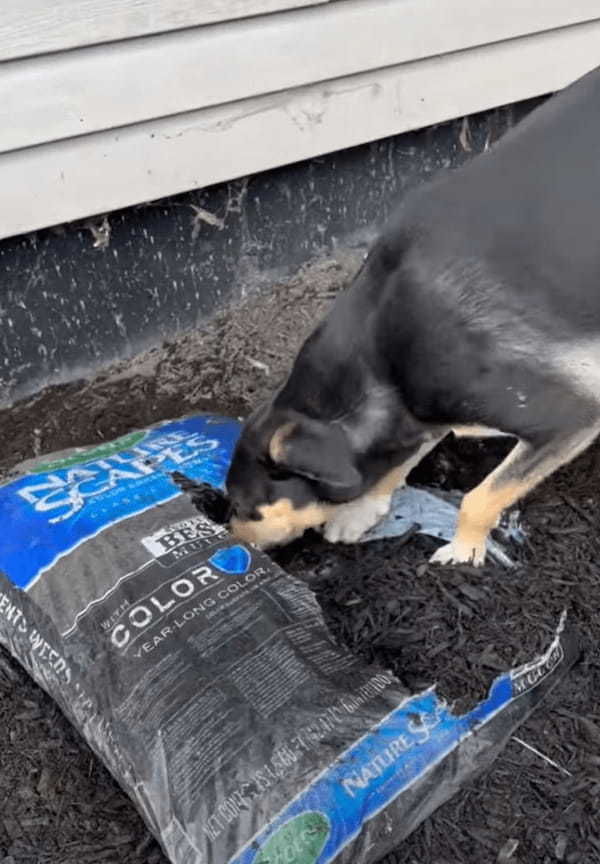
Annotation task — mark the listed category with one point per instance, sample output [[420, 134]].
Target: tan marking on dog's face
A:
[[281, 523], [277, 442]]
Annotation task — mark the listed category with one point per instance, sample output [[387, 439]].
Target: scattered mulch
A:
[[457, 626], [461, 627], [236, 361]]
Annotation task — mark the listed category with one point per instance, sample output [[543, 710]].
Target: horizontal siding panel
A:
[[72, 179], [29, 27], [89, 90]]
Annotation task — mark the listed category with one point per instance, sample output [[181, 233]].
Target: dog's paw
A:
[[350, 521], [458, 553]]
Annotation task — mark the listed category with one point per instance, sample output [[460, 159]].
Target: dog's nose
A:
[[241, 513], [244, 530]]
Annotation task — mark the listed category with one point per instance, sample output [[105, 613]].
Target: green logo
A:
[[92, 454], [299, 841]]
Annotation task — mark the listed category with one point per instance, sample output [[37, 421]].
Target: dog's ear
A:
[[319, 451]]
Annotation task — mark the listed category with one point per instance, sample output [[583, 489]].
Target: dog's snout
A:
[[240, 513]]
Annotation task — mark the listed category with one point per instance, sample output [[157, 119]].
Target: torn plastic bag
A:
[[434, 512], [204, 676]]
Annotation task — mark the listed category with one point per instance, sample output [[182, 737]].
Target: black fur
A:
[[457, 316]]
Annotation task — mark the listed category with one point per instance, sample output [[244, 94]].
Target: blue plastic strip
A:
[[380, 766]]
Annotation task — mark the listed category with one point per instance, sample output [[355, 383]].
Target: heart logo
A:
[[233, 560]]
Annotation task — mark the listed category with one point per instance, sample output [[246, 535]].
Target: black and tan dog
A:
[[477, 311]]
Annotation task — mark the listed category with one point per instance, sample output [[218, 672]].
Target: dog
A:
[[476, 311]]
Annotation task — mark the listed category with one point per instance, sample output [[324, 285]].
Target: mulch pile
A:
[[456, 626]]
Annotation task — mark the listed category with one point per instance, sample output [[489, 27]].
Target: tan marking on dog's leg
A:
[[481, 508], [479, 514], [479, 432], [277, 442], [350, 521]]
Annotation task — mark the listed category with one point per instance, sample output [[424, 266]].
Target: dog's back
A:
[[497, 266], [523, 215]]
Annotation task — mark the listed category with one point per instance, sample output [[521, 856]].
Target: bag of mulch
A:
[[204, 676]]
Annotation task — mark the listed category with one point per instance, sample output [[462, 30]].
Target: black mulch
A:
[[459, 627]]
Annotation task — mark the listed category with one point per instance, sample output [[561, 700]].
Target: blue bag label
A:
[[75, 498], [408, 743]]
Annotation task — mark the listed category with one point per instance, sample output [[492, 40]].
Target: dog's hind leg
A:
[[523, 469]]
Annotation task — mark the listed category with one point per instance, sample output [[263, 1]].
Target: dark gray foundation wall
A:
[[75, 298]]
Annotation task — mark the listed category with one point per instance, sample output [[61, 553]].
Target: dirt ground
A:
[[460, 627]]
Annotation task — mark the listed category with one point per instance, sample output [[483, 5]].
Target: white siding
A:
[[97, 128], [30, 27], [92, 89]]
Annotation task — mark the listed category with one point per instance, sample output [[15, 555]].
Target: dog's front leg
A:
[[522, 470], [350, 521]]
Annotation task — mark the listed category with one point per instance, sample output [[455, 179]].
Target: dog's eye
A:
[[280, 474], [244, 513], [275, 471]]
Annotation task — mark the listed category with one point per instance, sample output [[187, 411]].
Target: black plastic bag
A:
[[204, 676]]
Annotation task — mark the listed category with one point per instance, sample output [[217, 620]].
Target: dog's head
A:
[[335, 428], [287, 473]]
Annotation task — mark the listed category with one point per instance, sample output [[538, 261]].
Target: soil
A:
[[457, 626]]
